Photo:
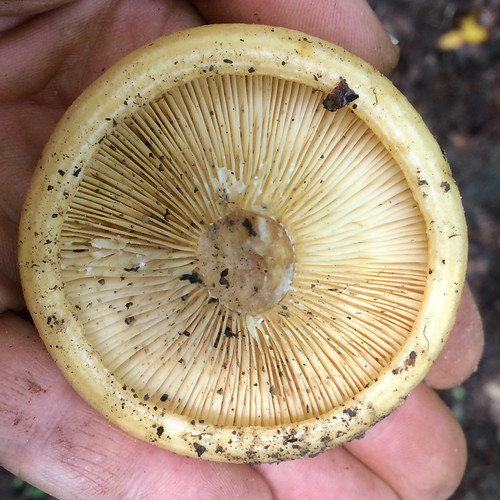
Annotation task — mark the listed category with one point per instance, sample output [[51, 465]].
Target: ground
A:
[[458, 94]]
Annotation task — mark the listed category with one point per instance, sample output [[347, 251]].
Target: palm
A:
[[46, 62]]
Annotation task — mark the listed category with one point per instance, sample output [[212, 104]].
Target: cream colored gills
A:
[[258, 249], [314, 198]]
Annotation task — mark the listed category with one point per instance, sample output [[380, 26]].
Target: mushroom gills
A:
[[336, 228]]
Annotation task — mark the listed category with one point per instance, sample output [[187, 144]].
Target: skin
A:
[[49, 52]]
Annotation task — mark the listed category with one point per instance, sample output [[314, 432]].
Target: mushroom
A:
[[242, 244]]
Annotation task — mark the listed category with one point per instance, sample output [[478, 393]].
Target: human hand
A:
[[48, 435]]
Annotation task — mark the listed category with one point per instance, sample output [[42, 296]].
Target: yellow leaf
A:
[[468, 32]]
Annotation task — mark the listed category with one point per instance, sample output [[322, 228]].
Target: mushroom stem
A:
[[247, 261]]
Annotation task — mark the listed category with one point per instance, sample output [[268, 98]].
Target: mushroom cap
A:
[[293, 139]]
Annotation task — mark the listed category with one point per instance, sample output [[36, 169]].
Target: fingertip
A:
[[462, 351], [420, 449], [352, 24], [387, 61], [360, 31], [333, 470]]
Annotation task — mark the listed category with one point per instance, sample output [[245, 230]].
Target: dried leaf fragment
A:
[[469, 32], [340, 96]]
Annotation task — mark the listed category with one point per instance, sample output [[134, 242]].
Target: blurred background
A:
[[450, 71]]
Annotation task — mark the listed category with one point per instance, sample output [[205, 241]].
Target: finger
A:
[[463, 349], [54, 440], [11, 297], [49, 61], [15, 12], [20, 149], [57, 54], [29, 7], [10, 290], [350, 23], [333, 474], [419, 449]]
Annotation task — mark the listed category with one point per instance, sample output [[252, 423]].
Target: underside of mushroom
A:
[[242, 244], [247, 255]]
